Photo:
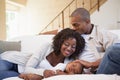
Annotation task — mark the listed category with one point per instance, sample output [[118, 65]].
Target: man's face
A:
[[79, 25]]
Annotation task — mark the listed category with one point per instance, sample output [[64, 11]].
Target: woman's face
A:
[[74, 68], [68, 47]]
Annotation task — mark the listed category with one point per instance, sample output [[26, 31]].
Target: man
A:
[[96, 41]]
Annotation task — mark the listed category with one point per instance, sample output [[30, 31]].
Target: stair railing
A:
[[60, 18]]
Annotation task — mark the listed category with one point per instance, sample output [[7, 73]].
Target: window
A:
[[12, 26]]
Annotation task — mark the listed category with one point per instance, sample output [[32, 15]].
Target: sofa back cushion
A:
[[33, 44], [9, 46]]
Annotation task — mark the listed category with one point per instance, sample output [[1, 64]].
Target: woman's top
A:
[[46, 65], [38, 63]]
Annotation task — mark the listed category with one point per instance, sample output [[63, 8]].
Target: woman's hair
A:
[[65, 34]]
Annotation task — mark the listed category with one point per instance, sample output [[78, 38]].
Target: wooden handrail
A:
[[58, 14], [98, 4], [61, 14]]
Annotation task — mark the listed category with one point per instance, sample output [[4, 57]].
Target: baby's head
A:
[[74, 67]]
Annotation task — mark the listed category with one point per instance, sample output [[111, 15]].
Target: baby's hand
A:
[[60, 72], [48, 73]]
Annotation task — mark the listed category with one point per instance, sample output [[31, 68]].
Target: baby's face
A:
[[74, 68]]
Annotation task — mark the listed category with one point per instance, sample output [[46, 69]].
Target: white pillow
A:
[[84, 77], [116, 32], [76, 77], [13, 78]]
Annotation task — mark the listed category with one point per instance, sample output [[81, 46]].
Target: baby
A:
[[73, 67]]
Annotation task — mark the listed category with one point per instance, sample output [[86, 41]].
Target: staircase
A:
[[62, 20]]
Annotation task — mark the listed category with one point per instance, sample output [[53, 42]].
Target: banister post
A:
[[98, 4], [63, 19]]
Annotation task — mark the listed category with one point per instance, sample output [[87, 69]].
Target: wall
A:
[[108, 16], [2, 20], [37, 14]]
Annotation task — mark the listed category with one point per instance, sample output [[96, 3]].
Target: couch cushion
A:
[[84, 77], [33, 44], [9, 46], [76, 77], [16, 57]]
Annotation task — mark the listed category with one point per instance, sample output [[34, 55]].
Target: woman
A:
[[67, 45]]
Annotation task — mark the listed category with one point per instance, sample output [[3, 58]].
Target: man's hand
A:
[[86, 64]]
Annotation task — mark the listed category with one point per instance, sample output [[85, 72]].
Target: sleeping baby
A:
[[73, 67]]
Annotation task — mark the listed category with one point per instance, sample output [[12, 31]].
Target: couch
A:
[[32, 44]]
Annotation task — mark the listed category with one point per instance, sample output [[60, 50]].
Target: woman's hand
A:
[[30, 76], [48, 73], [24, 76]]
